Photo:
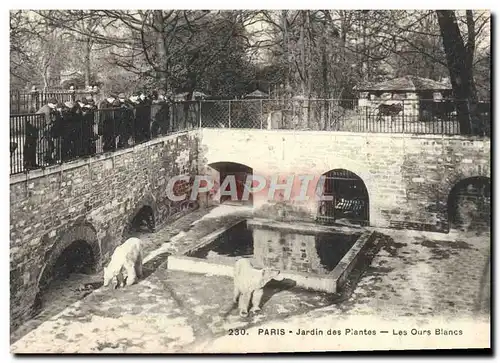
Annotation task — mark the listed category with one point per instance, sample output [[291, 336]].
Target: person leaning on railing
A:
[[30, 144], [45, 143], [88, 108], [159, 114], [71, 130], [133, 102], [143, 118], [106, 126], [126, 123]]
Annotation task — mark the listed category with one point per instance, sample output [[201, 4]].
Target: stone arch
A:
[[145, 213], [80, 239], [241, 173], [351, 200], [469, 204], [455, 176]]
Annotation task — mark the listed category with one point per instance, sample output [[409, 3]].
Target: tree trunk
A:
[[460, 75], [87, 64], [45, 78], [324, 68], [286, 53], [161, 50], [365, 57], [302, 43]]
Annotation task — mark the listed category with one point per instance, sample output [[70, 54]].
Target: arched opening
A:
[[141, 222], [144, 220], [65, 272], [241, 174], [469, 204], [349, 198]]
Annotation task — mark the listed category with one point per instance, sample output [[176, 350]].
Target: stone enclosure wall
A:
[[408, 177], [93, 200]]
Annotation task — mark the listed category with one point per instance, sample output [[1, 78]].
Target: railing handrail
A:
[[26, 114], [317, 116]]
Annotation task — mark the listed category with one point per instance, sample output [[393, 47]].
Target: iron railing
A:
[[389, 116], [37, 142], [23, 102]]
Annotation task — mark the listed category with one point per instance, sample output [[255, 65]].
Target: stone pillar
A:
[[34, 100]]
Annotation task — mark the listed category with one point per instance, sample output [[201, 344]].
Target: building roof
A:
[[407, 83], [258, 94]]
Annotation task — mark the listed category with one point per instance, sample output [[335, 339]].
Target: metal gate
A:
[[240, 178], [350, 198]]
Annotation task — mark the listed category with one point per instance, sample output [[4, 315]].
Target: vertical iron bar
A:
[[261, 114], [18, 102], [403, 117], [199, 113], [442, 123]]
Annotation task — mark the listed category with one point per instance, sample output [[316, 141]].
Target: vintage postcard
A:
[[249, 181]]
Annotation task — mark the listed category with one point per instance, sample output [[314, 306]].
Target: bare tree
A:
[[459, 57], [36, 48]]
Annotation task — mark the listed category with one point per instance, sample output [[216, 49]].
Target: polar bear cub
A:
[[248, 285], [128, 257]]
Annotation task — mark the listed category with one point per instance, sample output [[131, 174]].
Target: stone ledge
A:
[[347, 133], [39, 173], [330, 283], [303, 227]]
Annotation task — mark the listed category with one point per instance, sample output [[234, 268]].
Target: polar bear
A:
[[249, 283], [128, 257]]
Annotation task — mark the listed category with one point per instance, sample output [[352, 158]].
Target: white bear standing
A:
[[127, 256], [248, 284]]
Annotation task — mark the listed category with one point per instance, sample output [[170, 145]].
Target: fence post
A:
[[403, 117], [199, 113], [18, 101], [229, 102], [261, 114], [366, 119], [442, 123], [33, 101]]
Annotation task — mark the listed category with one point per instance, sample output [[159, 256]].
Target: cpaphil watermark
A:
[[290, 188]]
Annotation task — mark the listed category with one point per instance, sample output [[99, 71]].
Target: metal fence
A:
[[22, 102], [391, 116], [38, 141]]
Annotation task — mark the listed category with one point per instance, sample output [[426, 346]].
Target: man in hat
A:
[[159, 113], [107, 122], [121, 122], [126, 116], [30, 144], [71, 130], [88, 109], [143, 118], [39, 137], [133, 102]]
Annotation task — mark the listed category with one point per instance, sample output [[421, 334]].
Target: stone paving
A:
[[420, 276], [166, 241]]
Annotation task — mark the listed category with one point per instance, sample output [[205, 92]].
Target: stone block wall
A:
[[93, 200], [408, 177]]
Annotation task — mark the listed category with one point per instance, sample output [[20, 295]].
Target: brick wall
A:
[[286, 251], [408, 177], [92, 200]]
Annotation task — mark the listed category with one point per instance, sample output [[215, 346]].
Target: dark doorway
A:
[[76, 259], [143, 221], [469, 204], [241, 173], [350, 198]]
